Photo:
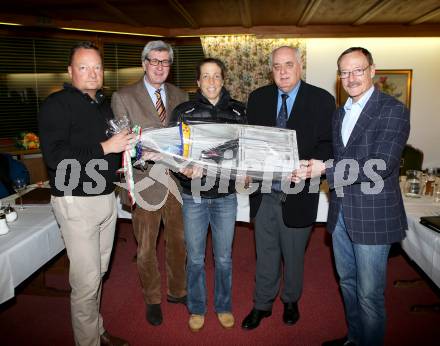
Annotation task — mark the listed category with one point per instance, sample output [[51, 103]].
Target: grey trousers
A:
[[277, 245]]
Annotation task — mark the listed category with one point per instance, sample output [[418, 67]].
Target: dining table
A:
[[33, 240], [422, 244], [243, 207]]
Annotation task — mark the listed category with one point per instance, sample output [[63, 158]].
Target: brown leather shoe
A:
[[110, 340]]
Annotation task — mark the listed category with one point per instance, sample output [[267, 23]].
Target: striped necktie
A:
[[160, 107]]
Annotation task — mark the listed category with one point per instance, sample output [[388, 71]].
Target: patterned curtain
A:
[[247, 60]]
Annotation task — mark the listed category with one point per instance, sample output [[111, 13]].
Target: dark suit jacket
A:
[[380, 133], [135, 102], [311, 118]]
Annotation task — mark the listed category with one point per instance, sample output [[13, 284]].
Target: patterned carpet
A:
[[36, 320]]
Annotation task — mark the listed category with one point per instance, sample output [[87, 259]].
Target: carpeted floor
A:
[[34, 320]]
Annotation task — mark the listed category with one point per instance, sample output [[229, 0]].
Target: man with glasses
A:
[[366, 212], [283, 222], [149, 103]]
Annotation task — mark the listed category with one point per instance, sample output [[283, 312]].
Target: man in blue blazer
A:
[[283, 222], [366, 212]]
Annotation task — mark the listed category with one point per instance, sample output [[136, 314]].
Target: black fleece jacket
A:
[[71, 126], [226, 110]]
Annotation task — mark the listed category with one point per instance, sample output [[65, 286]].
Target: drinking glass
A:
[[430, 182], [437, 192], [413, 183], [19, 187], [117, 125]]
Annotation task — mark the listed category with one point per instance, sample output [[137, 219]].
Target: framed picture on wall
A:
[[396, 83]]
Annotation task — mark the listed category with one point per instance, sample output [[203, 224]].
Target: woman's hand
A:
[[192, 172]]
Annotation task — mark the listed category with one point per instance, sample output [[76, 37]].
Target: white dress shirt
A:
[[151, 91], [352, 113]]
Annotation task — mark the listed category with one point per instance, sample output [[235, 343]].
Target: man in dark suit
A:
[[150, 103], [283, 222], [366, 212]]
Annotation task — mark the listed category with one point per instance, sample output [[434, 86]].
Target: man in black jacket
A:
[[283, 222], [82, 164]]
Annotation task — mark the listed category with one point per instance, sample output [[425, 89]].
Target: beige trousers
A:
[[88, 226]]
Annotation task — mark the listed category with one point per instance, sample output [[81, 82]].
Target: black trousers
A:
[[280, 253]]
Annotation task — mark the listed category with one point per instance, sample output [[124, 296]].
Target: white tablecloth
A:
[[243, 208], [421, 243], [33, 240]]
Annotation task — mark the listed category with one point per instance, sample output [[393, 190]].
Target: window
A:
[[123, 65], [33, 68], [183, 71], [30, 70]]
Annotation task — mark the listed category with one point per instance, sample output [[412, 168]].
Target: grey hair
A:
[[159, 46], [295, 49]]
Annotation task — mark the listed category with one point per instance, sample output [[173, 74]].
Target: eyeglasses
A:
[[356, 72], [155, 62]]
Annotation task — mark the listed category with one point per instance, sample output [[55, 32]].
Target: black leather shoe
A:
[[339, 342], [154, 314], [254, 318], [174, 300], [110, 340], [291, 313]]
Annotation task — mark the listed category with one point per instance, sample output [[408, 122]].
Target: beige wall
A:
[[422, 55]]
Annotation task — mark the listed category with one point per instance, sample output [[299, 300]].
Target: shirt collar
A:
[[292, 92], [99, 96], [151, 89], [361, 102]]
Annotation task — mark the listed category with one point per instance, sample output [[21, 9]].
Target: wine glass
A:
[[19, 187]]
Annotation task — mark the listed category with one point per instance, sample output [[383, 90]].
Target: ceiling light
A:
[[15, 24], [112, 32]]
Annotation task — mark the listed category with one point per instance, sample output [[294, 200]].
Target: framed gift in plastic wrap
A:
[[226, 149]]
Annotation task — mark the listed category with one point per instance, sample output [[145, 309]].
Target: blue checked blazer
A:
[[381, 133]]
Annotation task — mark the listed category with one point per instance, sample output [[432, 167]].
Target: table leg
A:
[[38, 285]]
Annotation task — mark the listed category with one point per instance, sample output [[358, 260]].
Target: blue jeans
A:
[[220, 213], [362, 277]]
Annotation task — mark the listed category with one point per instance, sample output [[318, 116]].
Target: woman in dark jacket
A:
[[213, 104]]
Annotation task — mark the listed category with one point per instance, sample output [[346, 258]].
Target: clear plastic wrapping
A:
[[230, 150]]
